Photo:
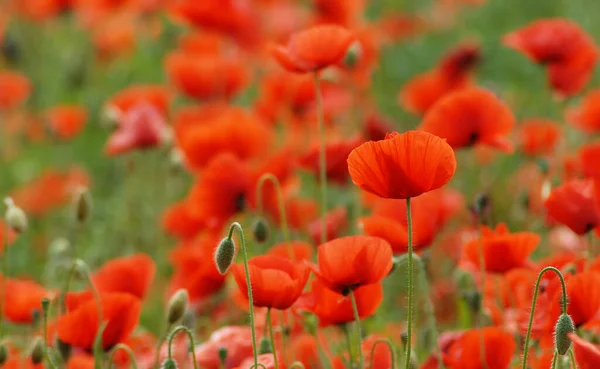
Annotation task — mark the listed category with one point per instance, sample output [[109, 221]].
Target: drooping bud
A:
[[260, 229], [37, 351], [225, 254], [82, 205], [265, 346], [353, 55], [177, 306], [169, 364], [222, 355], [188, 320], [404, 338], [15, 216], [564, 326], [3, 354]]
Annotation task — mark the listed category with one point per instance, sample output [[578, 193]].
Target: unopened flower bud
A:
[[169, 364], [64, 349], [225, 254], [481, 203], [15, 216], [3, 354], [564, 326], [222, 355], [473, 300], [82, 205], [353, 55], [188, 320], [260, 229], [543, 165], [404, 338], [110, 117], [265, 346], [37, 351], [177, 306]]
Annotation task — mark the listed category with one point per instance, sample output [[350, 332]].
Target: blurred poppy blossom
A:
[[133, 274], [66, 121], [539, 136], [572, 204], [15, 88]]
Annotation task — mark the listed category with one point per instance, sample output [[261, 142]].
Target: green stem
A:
[[236, 225], [273, 348], [45, 307], [357, 320], [322, 156], [535, 295], [554, 360], [4, 257], [390, 347], [280, 203], [410, 285], [572, 357], [282, 327], [191, 338], [349, 344], [127, 349], [482, 273], [159, 344], [322, 355]]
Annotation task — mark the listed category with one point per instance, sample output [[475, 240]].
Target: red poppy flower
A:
[[121, 311], [276, 282], [502, 250], [15, 88], [570, 76], [178, 221], [204, 134], [588, 157], [587, 355], [66, 121], [132, 274], [586, 116], [403, 165], [572, 204], [81, 361], [300, 250], [376, 127], [336, 152], [132, 96], [469, 117], [333, 308], [539, 136], [350, 262], [22, 299], [301, 212], [236, 339], [584, 300], [314, 49], [205, 77], [499, 349], [140, 128], [336, 221]]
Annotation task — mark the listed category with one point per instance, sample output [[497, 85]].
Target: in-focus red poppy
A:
[[349, 262], [206, 77], [314, 49], [333, 308], [403, 165], [141, 127], [237, 340], [469, 117], [502, 250], [132, 96], [131, 274], [586, 116], [214, 130], [121, 311], [336, 168], [66, 121], [588, 158], [452, 73], [465, 351], [587, 355], [572, 204], [336, 221], [23, 299], [539, 136], [15, 88], [300, 250], [276, 282]]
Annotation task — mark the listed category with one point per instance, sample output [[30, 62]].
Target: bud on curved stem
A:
[[390, 346], [564, 326], [37, 351], [177, 306], [127, 349], [225, 254], [15, 216], [192, 342], [82, 205], [535, 295], [280, 203]]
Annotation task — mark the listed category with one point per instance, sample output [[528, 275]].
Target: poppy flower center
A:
[[240, 202], [346, 290], [473, 138]]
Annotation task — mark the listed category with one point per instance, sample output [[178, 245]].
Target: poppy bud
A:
[[463, 279], [82, 205], [176, 159], [543, 165], [15, 216], [225, 254], [169, 364], [3, 354], [64, 349], [414, 362], [222, 355], [353, 55], [59, 247], [110, 117], [188, 320], [45, 305], [260, 229], [265, 346], [473, 300], [481, 203], [37, 351], [564, 326], [177, 306], [404, 338]]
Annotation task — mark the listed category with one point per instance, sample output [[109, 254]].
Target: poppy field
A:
[[299, 184]]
